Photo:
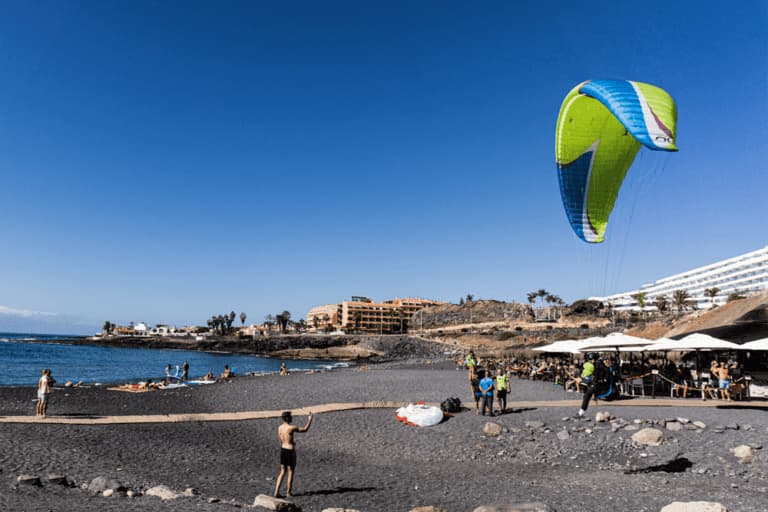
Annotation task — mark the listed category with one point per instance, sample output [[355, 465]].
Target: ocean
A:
[[22, 357]]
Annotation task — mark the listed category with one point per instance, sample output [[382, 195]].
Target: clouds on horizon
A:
[[5, 310], [42, 322]]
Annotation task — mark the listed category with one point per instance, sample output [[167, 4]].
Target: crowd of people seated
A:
[[723, 380]]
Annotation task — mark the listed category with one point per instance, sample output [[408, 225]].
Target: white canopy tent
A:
[[616, 341], [566, 346], [756, 345], [696, 341]]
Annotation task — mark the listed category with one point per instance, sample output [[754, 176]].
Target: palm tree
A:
[[229, 319], [470, 297], [326, 321], [283, 319], [712, 293], [640, 298], [662, 303], [243, 316], [269, 321], [550, 300], [107, 327], [532, 298], [681, 300]]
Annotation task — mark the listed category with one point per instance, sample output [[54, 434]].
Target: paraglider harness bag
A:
[[451, 405]]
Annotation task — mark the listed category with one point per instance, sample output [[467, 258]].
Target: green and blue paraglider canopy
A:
[[601, 127]]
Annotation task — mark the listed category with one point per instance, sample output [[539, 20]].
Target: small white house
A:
[[140, 329], [160, 330]]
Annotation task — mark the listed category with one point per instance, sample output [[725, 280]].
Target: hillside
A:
[[500, 327], [738, 321]]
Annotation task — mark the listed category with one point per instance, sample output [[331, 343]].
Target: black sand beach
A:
[[365, 460]]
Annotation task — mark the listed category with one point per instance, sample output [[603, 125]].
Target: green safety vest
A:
[[501, 382], [470, 361], [589, 369]]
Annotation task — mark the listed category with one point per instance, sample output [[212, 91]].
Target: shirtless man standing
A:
[[724, 382], [288, 450], [43, 390]]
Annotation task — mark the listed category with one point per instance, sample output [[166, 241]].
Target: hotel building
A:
[[361, 314], [746, 274]]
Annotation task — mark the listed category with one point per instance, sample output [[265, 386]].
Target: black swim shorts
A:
[[287, 457]]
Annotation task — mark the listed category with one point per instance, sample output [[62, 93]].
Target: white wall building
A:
[[746, 274]]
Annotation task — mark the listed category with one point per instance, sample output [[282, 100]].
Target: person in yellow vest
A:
[[591, 373], [502, 388], [470, 361]]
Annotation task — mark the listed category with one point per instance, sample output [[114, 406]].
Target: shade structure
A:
[[695, 341], [565, 346], [756, 345], [616, 341]]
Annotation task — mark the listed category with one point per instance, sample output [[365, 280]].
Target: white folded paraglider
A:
[[419, 415]]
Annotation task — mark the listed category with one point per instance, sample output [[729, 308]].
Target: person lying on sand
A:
[[288, 450]]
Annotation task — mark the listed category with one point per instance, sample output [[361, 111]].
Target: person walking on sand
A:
[[185, 371], [44, 386], [288, 450], [594, 373]]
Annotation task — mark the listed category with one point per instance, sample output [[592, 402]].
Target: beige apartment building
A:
[[361, 314]]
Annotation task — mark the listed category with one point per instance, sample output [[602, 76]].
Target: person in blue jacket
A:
[[486, 398]]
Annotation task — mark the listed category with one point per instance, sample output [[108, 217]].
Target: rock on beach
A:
[[694, 506]]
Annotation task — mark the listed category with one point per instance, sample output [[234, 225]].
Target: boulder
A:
[[563, 435], [694, 506], [648, 436], [108, 493], [278, 504], [517, 507], [100, 484], [163, 492], [674, 426], [534, 424], [492, 429], [745, 453], [700, 424], [602, 417], [57, 479], [29, 480], [191, 491]]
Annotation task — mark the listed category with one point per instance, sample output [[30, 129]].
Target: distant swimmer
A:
[[288, 450]]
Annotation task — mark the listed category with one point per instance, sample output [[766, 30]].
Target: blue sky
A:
[[166, 161]]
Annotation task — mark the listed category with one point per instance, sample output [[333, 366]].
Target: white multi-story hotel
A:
[[745, 275]]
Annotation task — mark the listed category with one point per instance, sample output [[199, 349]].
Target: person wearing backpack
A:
[[593, 373]]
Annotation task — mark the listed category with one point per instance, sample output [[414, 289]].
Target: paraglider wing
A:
[[601, 126]]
